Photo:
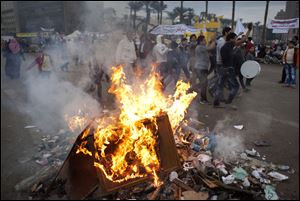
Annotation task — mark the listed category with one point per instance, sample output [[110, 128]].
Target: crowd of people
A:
[[196, 57]]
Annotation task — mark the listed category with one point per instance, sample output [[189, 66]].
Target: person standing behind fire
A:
[[44, 62], [192, 49], [202, 63], [126, 54], [159, 53], [184, 57]]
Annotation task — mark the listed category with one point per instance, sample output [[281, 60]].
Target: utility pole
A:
[[265, 21], [206, 9], [233, 11]]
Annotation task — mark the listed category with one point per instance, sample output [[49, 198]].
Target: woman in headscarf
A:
[[13, 59]]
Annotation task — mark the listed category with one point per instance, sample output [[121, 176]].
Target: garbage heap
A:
[[203, 175]]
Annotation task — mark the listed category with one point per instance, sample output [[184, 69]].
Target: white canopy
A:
[[74, 34], [177, 29]]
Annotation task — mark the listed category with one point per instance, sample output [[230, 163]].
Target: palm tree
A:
[[135, 6], [233, 11], [147, 5], [181, 11], [162, 8], [190, 15], [265, 21], [172, 15], [156, 6]]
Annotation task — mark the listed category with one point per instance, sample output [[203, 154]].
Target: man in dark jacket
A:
[[227, 71], [238, 60]]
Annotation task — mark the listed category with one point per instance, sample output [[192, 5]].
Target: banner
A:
[[283, 24], [24, 35], [280, 31], [177, 29]]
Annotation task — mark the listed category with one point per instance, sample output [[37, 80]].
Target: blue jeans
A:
[[226, 75], [290, 72]]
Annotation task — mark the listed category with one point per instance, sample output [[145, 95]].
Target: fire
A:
[[134, 142]]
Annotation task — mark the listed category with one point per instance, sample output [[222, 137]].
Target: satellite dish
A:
[[250, 69]]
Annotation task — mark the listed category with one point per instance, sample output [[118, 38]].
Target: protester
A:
[[44, 63], [283, 73], [126, 54], [202, 63], [13, 54], [159, 52], [289, 61], [173, 62], [184, 57], [221, 71], [192, 48], [238, 60], [144, 49], [96, 74], [250, 52], [221, 41], [226, 72]]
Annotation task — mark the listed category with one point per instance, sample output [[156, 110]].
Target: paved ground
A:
[[268, 112]]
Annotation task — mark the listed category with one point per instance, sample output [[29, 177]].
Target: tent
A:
[[75, 34], [177, 29]]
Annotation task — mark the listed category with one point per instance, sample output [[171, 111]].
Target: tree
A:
[[180, 12], [135, 6], [190, 15], [233, 11], [172, 15], [162, 8], [148, 5], [158, 7], [265, 21]]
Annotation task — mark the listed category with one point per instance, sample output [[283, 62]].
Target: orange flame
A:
[[134, 154]]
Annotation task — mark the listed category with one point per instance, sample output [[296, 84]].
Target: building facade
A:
[[292, 11], [9, 23]]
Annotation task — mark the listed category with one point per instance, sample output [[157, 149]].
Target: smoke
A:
[[229, 140], [51, 99]]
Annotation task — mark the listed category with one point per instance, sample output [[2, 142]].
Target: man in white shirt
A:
[[126, 54]]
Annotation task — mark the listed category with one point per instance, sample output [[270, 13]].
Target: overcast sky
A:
[[249, 11]]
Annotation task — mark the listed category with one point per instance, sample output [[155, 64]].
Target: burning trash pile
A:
[[148, 149]]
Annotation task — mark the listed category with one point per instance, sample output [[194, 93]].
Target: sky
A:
[[249, 11]]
